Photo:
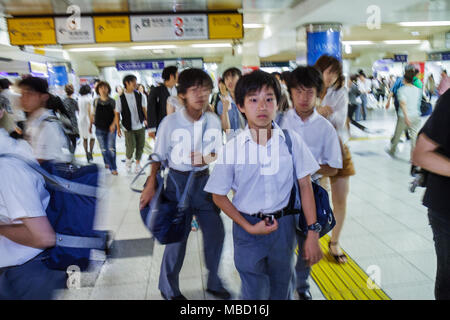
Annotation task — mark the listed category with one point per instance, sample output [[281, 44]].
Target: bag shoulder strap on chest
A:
[[61, 184]]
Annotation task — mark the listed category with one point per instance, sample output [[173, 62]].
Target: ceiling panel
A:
[[47, 7], [25, 7]]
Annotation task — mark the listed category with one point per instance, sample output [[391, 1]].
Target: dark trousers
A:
[[32, 280], [440, 225], [211, 225]]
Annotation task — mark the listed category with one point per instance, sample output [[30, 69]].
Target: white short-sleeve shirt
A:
[[318, 134], [175, 102], [136, 124], [260, 176], [22, 195], [178, 136], [47, 138], [338, 101]]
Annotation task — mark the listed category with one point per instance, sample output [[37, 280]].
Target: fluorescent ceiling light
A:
[[253, 25], [51, 49], [357, 43], [156, 47], [403, 41], [211, 45], [92, 49], [424, 23]]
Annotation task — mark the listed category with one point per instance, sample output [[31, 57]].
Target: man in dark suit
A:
[[156, 109]]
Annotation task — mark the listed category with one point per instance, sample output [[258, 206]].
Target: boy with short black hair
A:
[[131, 108], [200, 134], [258, 166], [157, 99], [305, 85]]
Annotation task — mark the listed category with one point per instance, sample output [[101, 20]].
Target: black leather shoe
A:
[[180, 297], [304, 295], [224, 295]]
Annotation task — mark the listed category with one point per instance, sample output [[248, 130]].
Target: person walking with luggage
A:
[[25, 231], [264, 238], [334, 107], [84, 120], [106, 125], [432, 153], [131, 109], [304, 85], [42, 129], [409, 97], [203, 133]]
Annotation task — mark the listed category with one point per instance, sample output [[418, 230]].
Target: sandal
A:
[[340, 258]]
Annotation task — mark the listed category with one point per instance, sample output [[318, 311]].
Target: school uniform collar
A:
[[313, 117], [246, 135], [184, 117], [13, 146], [40, 114]]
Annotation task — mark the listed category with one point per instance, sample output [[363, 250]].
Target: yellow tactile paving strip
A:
[[343, 281]]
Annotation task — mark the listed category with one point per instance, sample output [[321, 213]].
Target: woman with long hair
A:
[[334, 107], [84, 120]]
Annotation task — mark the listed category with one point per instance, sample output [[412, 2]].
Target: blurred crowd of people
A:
[[315, 104]]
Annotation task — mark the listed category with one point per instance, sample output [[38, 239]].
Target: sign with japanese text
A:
[[31, 31], [225, 26], [66, 34], [169, 27], [112, 29]]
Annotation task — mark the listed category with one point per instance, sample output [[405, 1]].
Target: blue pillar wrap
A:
[[323, 42], [58, 76]]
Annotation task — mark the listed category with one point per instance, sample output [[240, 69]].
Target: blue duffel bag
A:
[[324, 212], [74, 191], [165, 219]]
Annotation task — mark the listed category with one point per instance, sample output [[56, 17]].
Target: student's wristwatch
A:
[[316, 227]]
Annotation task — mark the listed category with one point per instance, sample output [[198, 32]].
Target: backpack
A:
[[74, 191], [66, 127], [324, 212], [425, 107]]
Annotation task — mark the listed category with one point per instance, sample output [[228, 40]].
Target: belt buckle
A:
[[263, 216]]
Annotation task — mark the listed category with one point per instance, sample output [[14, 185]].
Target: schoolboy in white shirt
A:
[[188, 141], [258, 167], [304, 85]]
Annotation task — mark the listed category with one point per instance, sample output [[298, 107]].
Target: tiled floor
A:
[[386, 227]]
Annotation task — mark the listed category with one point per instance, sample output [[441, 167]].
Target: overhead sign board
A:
[[400, 58], [69, 34], [225, 26], [158, 64], [139, 65], [31, 31], [112, 29], [169, 27]]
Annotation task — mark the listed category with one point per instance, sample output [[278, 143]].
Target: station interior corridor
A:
[[386, 231]]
